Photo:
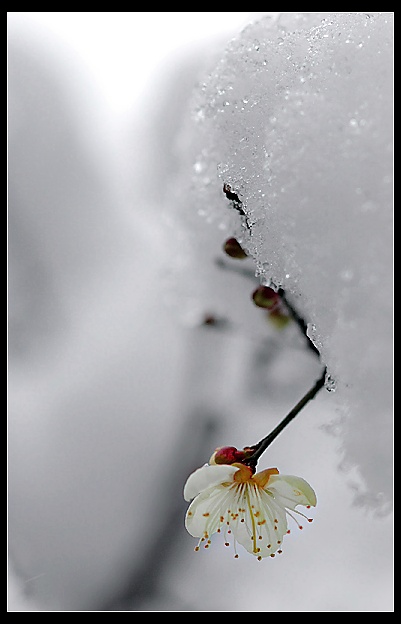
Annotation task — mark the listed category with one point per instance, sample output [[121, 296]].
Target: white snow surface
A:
[[297, 118]]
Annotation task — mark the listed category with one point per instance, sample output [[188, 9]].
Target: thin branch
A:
[[263, 444], [299, 320]]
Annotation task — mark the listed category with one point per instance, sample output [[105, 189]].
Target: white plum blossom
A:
[[251, 508]]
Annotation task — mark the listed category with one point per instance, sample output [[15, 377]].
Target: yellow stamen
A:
[[255, 548]]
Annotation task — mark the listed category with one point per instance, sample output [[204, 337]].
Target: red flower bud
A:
[[265, 297], [227, 455], [234, 249]]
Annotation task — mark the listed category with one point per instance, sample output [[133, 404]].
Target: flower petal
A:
[[292, 490], [206, 510], [207, 476]]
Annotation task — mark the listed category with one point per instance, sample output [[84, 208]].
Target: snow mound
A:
[[297, 119]]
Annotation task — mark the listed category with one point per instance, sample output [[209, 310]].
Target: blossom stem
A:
[[263, 444], [299, 321]]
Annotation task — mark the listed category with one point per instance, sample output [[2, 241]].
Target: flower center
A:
[[243, 474]]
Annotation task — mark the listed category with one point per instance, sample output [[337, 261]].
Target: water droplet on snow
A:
[[330, 384], [310, 330], [312, 334]]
